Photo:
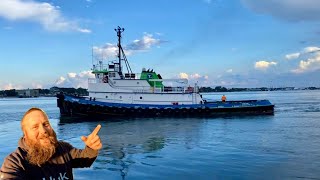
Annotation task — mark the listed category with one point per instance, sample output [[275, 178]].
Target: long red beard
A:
[[39, 154]]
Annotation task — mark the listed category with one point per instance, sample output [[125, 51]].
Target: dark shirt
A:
[[59, 167]]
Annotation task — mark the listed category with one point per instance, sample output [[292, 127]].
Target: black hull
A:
[[68, 108]]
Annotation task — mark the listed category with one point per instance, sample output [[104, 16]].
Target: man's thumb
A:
[[83, 138]]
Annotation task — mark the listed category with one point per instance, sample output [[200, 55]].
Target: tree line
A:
[[47, 92]]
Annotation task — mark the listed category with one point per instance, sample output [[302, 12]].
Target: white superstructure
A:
[[147, 87]]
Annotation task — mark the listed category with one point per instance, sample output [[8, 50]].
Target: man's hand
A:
[[93, 140]]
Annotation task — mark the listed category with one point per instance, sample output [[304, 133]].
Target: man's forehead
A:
[[36, 116]]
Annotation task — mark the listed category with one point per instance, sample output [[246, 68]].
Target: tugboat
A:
[[113, 92]]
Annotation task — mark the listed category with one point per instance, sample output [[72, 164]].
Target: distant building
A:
[[28, 92], [289, 88]]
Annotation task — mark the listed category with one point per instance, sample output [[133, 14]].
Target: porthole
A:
[[140, 97]]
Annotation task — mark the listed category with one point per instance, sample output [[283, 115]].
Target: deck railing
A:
[[139, 89]]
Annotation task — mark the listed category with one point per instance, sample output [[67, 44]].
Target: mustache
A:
[[44, 136], [47, 135]]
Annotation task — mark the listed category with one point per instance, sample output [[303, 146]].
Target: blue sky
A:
[[231, 43]]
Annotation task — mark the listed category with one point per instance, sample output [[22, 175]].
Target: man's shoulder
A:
[[15, 159], [65, 145], [18, 154]]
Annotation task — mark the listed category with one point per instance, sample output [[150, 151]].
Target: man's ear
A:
[[24, 134]]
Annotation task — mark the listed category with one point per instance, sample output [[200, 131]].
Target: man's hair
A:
[[29, 111]]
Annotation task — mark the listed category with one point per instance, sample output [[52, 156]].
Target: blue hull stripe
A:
[[210, 105]]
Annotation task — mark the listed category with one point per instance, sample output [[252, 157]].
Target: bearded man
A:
[[41, 156]]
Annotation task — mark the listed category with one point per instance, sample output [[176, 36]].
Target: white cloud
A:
[[183, 76], [106, 51], [292, 56], [74, 80], [10, 86], [84, 30], [47, 15], [71, 75], [263, 65], [309, 65], [110, 50], [305, 51], [291, 10], [311, 49], [229, 71], [60, 80], [195, 78], [145, 43]]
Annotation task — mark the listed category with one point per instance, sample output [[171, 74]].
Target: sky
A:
[[230, 43]]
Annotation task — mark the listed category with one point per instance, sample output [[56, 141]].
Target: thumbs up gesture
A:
[[93, 140]]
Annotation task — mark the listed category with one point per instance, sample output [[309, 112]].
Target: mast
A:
[[121, 55], [119, 31]]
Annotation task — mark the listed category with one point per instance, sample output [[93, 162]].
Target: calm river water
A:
[[283, 146]]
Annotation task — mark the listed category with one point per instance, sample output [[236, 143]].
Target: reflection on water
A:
[[154, 144], [125, 139]]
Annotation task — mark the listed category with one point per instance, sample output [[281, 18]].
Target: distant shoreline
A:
[[32, 93], [207, 91]]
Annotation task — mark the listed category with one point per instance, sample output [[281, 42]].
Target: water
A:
[[283, 146]]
